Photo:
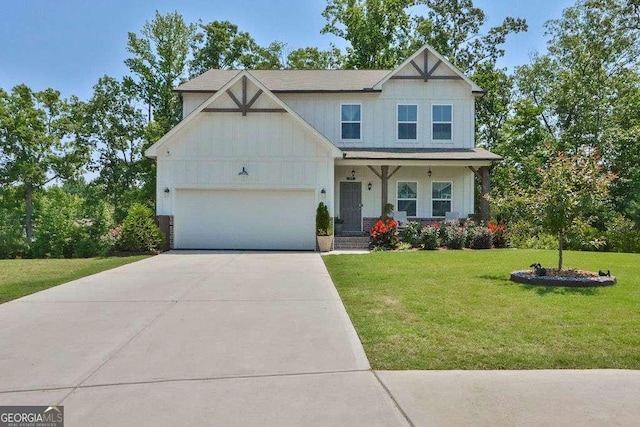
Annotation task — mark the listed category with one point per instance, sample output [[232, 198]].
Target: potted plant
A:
[[337, 225], [324, 233]]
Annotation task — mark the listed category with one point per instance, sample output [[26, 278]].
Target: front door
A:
[[351, 205]]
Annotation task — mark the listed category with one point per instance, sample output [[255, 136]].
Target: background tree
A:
[[312, 58], [41, 140], [220, 45], [117, 126], [159, 62], [378, 31]]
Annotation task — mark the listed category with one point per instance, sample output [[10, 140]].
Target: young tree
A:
[[41, 140]]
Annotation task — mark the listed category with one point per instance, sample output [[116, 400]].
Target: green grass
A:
[[20, 277], [458, 310]]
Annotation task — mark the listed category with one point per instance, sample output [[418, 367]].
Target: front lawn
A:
[[458, 310], [20, 277]]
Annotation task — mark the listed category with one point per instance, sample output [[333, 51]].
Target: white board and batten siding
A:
[[461, 178], [287, 169], [379, 112]]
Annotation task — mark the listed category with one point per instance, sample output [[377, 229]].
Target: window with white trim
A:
[[441, 122], [407, 197], [441, 195], [350, 121], [407, 122]]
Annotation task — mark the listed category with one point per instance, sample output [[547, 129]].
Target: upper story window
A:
[[351, 121], [407, 122], [441, 120]]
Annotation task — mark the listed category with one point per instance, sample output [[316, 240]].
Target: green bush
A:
[[11, 234], [411, 234], [584, 237], [323, 221], [456, 237], [430, 237], [622, 235], [482, 238], [139, 232]]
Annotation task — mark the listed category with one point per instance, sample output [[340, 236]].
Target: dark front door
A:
[[351, 205]]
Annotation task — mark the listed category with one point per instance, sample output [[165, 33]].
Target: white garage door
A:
[[238, 219]]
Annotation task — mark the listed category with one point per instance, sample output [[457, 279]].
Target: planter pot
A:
[[324, 243], [338, 228]]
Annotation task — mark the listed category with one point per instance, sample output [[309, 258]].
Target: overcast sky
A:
[[69, 44]]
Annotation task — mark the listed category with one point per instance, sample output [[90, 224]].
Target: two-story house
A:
[[258, 150]]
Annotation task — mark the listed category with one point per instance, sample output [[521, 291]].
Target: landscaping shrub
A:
[[498, 230], [482, 238], [139, 232], [470, 228], [456, 237], [383, 234], [430, 237], [411, 234], [323, 221]]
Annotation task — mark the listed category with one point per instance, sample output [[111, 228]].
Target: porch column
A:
[[483, 175], [384, 176]]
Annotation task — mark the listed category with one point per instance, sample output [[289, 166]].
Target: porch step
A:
[[350, 242]]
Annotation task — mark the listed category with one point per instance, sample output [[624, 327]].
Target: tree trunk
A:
[[560, 238], [28, 220]]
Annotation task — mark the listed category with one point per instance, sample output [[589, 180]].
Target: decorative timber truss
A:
[[426, 73], [244, 105]]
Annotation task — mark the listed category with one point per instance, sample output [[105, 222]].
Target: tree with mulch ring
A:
[[572, 190]]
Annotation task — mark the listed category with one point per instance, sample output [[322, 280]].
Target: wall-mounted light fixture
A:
[[353, 175], [243, 172], [166, 191], [369, 186], [323, 192], [429, 173]]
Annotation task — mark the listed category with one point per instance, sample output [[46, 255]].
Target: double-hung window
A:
[[441, 198], [407, 122], [351, 121], [441, 120], [407, 199]]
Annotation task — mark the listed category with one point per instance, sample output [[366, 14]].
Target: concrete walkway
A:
[[193, 339], [256, 339]]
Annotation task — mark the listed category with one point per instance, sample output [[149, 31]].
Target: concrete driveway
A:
[[197, 338]]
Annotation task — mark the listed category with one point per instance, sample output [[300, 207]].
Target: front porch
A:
[[429, 185]]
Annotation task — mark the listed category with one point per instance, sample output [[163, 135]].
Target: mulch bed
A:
[[568, 277]]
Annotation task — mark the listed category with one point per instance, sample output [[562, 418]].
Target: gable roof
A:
[[152, 152], [316, 81], [474, 87], [291, 81]]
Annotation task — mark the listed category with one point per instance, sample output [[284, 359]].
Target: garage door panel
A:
[[237, 219]]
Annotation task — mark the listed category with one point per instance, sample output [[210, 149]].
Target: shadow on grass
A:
[[541, 290], [559, 290]]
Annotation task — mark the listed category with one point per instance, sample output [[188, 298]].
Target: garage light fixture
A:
[[429, 173], [166, 191], [243, 172], [369, 186]]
